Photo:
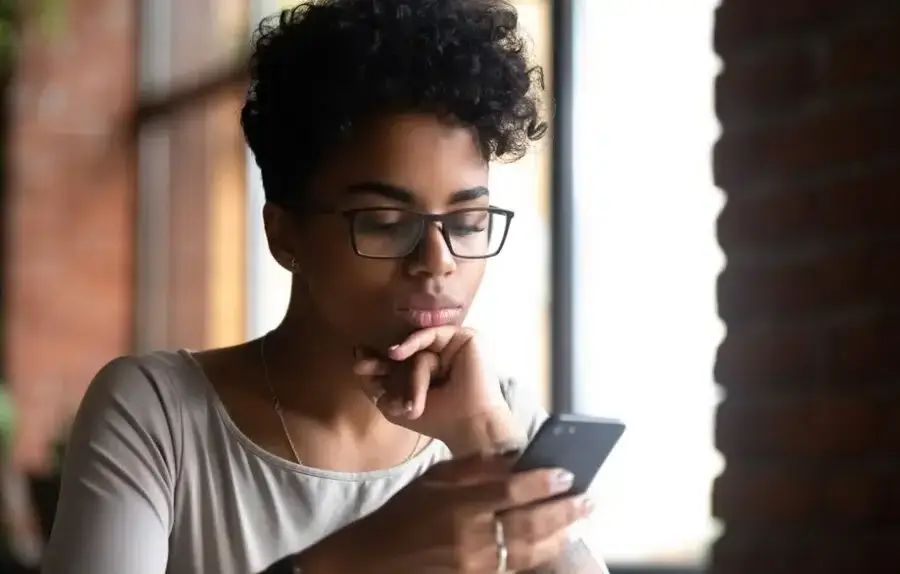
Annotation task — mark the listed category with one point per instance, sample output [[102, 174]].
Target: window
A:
[[191, 176], [646, 261]]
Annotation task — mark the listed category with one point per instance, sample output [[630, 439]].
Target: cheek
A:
[[469, 275], [336, 275], [344, 278], [357, 281], [354, 296]]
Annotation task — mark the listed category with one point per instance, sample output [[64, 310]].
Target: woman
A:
[[365, 433]]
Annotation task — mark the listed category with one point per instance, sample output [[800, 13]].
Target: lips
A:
[[425, 310], [424, 318]]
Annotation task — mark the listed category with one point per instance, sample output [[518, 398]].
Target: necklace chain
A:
[[276, 404]]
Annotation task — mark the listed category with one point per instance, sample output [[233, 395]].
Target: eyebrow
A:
[[402, 195]]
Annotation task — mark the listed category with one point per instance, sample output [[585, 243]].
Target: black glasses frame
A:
[[428, 218]]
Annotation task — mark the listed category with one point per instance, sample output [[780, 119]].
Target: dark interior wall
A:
[[809, 157]]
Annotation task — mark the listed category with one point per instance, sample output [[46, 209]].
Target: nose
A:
[[432, 256]]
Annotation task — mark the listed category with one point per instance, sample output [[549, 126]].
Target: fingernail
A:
[[393, 347], [562, 480], [408, 407]]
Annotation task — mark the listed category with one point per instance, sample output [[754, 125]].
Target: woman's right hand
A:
[[445, 521]]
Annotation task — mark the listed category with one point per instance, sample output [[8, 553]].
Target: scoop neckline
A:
[[248, 444]]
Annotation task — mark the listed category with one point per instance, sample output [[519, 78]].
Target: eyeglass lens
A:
[[396, 233]]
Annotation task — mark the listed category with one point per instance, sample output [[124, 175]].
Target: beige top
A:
[[159, 479]]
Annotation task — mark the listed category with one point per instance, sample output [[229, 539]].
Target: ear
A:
[[281, 236]]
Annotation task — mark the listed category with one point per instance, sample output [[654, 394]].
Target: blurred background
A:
[[131, 221]]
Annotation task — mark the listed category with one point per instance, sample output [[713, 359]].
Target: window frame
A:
[[562, 285]]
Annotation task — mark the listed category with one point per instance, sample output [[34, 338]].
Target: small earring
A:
[[294, 265]]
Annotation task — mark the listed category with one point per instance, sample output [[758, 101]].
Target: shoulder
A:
[[524, 403], [147, 385], [121, 468], [134, 400]]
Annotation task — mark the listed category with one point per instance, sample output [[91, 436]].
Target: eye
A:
[[468, 222], [383, 221]]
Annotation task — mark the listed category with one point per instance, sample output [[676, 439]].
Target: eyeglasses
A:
[[390, 233]]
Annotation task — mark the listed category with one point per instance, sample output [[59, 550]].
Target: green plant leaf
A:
[[7, 416]]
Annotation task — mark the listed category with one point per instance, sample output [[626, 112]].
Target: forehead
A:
[[419, 153]]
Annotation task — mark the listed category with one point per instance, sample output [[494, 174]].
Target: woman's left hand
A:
[[436, 382]]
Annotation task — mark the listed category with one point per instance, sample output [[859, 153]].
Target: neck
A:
[[311, 371]]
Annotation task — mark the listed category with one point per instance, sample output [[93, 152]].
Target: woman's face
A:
[[413, 163]]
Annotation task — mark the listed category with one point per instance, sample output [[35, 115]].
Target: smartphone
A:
[[577, 443]]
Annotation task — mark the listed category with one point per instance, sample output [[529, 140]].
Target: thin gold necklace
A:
[[280, 412]]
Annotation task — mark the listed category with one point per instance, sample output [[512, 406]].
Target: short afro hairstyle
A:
[[326, 66]]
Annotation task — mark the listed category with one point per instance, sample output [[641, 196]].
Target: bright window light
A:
[[646, 263]]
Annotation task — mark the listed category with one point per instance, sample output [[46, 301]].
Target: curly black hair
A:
[[326, 66]]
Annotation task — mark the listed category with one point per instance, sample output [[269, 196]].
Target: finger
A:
[[523, 488], [532, 524], [371, 368], [373, 387], [431, 339], [425, 366], [391, 405]]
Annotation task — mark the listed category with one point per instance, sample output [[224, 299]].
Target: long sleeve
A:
[[116, 504]]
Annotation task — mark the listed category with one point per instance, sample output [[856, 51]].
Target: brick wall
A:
[[68, 214], [809, 100]]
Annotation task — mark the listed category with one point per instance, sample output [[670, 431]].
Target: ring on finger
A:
[[502, 550]]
